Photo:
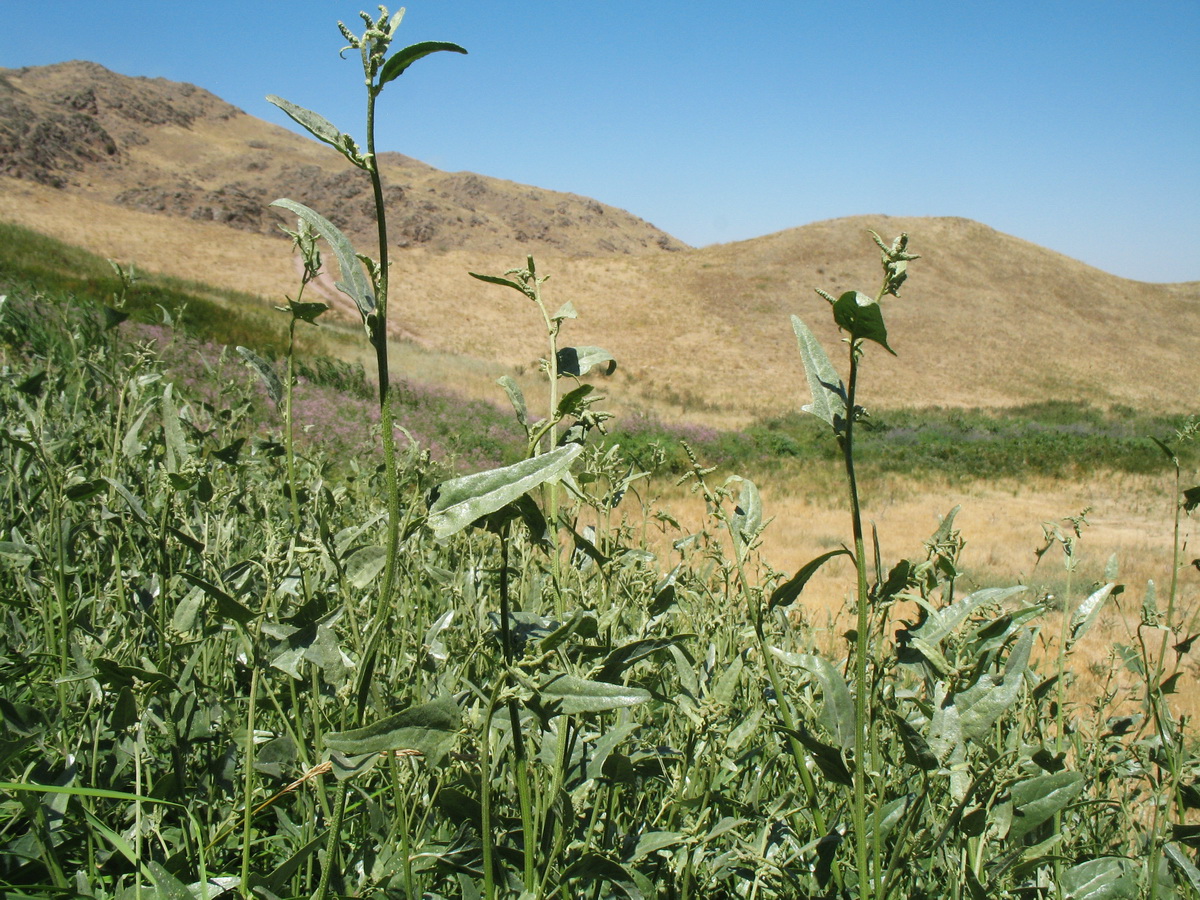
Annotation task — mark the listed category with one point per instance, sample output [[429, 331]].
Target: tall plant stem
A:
[[379, 337], [862, 709]]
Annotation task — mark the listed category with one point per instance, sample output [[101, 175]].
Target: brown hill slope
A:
[[160, 146], [987, 319]]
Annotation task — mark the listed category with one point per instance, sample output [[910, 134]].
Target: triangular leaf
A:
[[861, 316]]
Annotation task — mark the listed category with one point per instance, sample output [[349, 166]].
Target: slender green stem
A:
[[862, 707]]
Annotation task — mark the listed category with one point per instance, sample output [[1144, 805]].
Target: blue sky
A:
[[1075, 125]]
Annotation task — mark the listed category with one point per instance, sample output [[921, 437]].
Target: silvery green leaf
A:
[[430, 729], [838, 710], [942, 622], [570, 695], [320, 128], [364, 564], [579, 361], [1106, 878], [266, 372], [828, 392], [1180, 860], [1036, 800], [980, 705], [461, 501], [747, 516], [566, 311], [176, 445], [1085, 616], [516, 397], [354, 283], [400, 61]]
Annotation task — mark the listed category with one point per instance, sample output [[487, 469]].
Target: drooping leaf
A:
[[320, 128], [266, 372], [1035, 800], [980, 705], [623, 657], [838, 710], [594, 867], [826, 757], [786, 593], [131, 501], [746, 521], [828, 392], [570, 695], [516, 397], [429, 728], [1085, 616], [459, 502], [579, 361], [1179, 859], [226, 605], [401, 60], [354, 283], [944, 621], [916, 749]]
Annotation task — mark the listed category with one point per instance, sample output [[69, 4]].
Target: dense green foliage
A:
[[159, 607]]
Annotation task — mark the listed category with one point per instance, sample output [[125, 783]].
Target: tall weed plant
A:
[[234, 669]]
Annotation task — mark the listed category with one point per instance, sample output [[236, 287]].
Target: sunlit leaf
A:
[[1036, 800], [354, 283], [430, 729], [570, 695], [862, 318], [1106, 878], [401, 60], [459, 502], [824, 383]]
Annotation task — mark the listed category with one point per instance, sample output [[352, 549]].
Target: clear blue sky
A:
[[1075, 125]]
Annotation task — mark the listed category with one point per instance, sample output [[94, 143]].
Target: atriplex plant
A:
[[369, 289]]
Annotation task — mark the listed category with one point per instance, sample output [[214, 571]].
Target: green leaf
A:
[[516, 397], [430, 729], [364, 564], [980, 705], [166, 885], [1180, 860], [1085, 616], [623, 657], [594, 867], [747, 516], [266, 372], [916, 750], [786, 593], [827, 757], [579, 361], [828, 392], [503, 282], [459, 502], [861, 316], [134, 506], [226, 605], [307, 310], [653, 841], [943, 622], [354, 283], [1191, 499], [320, 128], [570, 695], [1106, 878], [394, 67], [838, 710], [1036, 800]]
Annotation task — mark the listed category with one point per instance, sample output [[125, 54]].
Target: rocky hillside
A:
[[163, 147]]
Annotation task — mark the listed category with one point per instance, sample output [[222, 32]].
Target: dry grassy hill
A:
[[174, 178]]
